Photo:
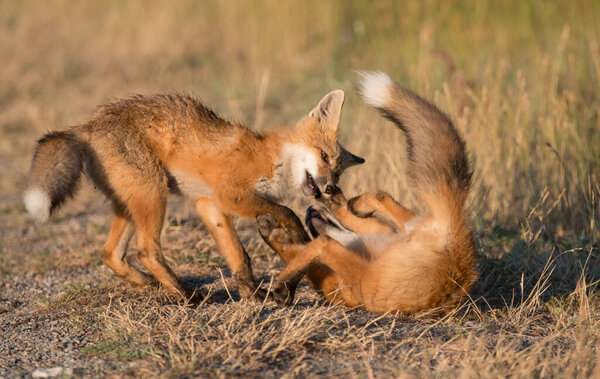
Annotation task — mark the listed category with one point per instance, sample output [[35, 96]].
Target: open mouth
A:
[[312, 186], [314, 218]]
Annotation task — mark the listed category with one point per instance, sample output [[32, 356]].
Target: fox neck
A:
[[291, 160]]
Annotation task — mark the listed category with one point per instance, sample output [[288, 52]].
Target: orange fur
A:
[[138, 149], [404, 261]]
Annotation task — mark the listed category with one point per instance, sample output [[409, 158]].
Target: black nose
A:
[[329, 189]]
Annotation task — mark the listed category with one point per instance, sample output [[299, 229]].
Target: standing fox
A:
[[136, 150], [407, 262]]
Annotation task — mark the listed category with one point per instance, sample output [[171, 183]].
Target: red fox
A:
[[136, 150], [406, 262]]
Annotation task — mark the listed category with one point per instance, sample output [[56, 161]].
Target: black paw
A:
[[282, 295], [196, 297]]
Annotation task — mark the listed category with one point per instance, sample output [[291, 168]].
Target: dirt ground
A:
[[61, 307], [57, 297]]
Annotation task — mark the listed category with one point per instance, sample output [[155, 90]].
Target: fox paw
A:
[[190, 298], [272, 232], [199, 296], [280, 294], [336, 200], [357, 207]]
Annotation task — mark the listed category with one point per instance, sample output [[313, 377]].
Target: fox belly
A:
[[189, 186]]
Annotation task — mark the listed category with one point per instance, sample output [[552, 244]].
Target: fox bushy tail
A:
[[55, 171], [438, 168]]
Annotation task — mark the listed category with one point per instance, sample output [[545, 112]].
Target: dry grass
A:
[[520, 79]]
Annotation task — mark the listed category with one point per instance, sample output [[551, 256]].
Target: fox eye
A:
[[325, 156]]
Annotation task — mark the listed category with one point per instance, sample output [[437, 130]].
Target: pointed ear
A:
[[329, 109], [348, 159]]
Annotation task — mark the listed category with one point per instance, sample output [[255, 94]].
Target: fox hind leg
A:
[[327, 251], [322, 277], [115, 248], [147, 210], [347, 268], [128, 172]]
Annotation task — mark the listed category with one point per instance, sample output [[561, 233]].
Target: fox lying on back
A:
[[136, 150], [408, 262]]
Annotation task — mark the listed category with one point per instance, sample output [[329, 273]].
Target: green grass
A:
[[121, 347]]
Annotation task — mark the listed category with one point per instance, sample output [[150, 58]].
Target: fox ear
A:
[[348, 159], [329, 109]]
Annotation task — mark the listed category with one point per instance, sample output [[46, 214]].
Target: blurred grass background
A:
[[521, 79]]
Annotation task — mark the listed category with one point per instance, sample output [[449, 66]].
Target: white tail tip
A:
[[375, 88], [38, 204]]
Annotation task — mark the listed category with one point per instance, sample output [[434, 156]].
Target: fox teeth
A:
[[312, 185]]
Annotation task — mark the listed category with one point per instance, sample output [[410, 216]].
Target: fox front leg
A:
[[368, 203], [340, 207], [284, 292], [254, 206]]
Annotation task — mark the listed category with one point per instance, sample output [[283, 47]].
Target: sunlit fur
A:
[[404, 262], [138, 149]]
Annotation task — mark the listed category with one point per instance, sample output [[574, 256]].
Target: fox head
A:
[[318, 159]]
